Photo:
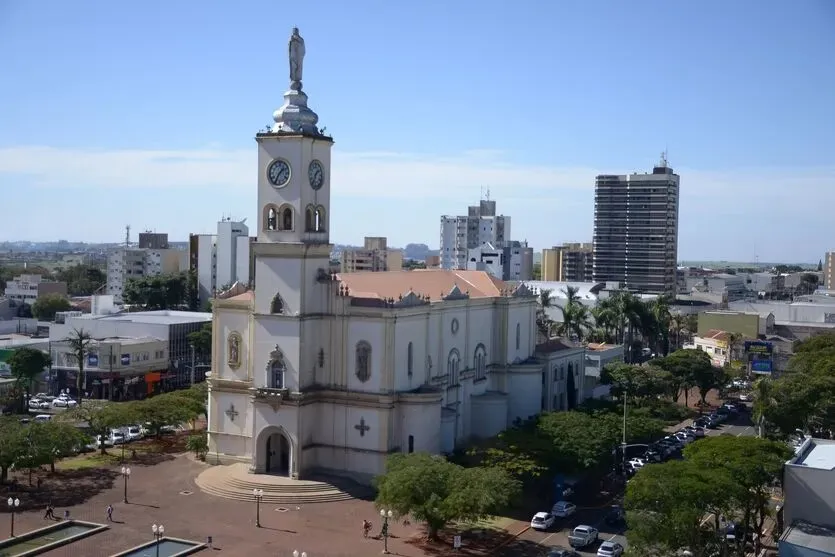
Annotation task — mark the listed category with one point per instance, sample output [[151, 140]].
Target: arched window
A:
[[562, 372], [570, 368], [278, 370], [518, 336], [309, 219], [480, 362], [363, 363], [319, 219], [287, 219], [277, 305], [452, 364], [411, 444], [270, 218], [409, 359]]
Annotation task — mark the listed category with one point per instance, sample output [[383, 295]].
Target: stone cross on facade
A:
[[232, 413], [362, 427]]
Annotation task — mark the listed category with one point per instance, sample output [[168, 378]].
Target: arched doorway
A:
[[277, 454]]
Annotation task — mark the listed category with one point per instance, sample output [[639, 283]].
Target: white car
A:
[[43, 418], [637, 462], [610, 549], [133, 433], [743, 397], [563, 509], [542, 521], [38, 404], [117, 437], [64, 401]]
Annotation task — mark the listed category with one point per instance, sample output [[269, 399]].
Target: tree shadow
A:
[[352, 488], [475, 542], [64, 488]]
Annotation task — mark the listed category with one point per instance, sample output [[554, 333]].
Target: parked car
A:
[[542, 521], [563, 509], [64, 401], [696, 430], [132, 433], [583, 536], [615, 515], [610, 549], [43, 417], [652, 456], [39, 404], [558, 551], [117, 437]]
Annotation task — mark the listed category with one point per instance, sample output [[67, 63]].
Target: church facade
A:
[[316, 372]]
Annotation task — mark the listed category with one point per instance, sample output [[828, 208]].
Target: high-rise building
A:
[[374, 256], [829, 271], [153, 240], [479, 226], [572, 262], [636, 230], [126, 263], [221, 259]]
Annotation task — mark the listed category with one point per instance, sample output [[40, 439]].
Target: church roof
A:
[[437, 284]]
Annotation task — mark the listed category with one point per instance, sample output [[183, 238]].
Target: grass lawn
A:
[[147, 449]]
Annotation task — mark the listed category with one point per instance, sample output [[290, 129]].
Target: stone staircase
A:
[[235, 482]]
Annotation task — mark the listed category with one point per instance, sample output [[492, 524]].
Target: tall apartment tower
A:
[[374, 256], [572, 262], [480, 226], [636, 229], [221, 259], [829, 271]]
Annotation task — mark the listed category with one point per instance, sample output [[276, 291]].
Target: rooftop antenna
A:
[[127, 236], [487, 195], [663, 163]]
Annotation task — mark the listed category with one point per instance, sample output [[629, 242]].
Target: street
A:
[[533, 543]]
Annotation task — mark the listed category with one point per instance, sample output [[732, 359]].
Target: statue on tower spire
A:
[[296, 54]]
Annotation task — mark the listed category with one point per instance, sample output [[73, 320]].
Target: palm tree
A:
[[661, 317], [543, 323], [575, 316], [676, 326], [79, 345]]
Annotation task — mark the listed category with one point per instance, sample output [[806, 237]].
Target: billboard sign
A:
[[758, 347], [125, 359], [93, 360], [762, 366]]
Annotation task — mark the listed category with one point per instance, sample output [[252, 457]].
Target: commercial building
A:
[[636, 230], [169, 327], [746, 324], [222, 259], [716, 344], [26, 289], [829, 271], [573, 262], [598, 356], [126, 263], [512, 262], [808, 513], [153, 240], [374, 256], [460, 234]]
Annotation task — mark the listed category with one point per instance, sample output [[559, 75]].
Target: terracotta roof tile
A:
[[435, 283], [717, 334]]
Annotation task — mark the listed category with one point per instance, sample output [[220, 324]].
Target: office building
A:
[[127, 263], [221, 259], [572, 262], [636, 230], [374, 256], [829, 271], [26, 289], [153, 240], [479, 226]]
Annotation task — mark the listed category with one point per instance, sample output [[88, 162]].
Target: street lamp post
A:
[[158, 531], [258, 494], [126, 475], [297, 554], [13, 503], [386, 516]]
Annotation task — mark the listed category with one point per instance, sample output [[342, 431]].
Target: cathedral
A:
[[317, 372]]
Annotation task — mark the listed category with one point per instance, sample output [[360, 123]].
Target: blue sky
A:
[[143, 113]]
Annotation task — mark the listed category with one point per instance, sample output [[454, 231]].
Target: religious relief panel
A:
[[363, 363], [233, 350]]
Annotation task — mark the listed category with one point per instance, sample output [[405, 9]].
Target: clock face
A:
[[316, 175], [279, 173]]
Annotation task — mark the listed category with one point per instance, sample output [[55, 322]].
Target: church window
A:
[[480, 362], [410, 359], [270, 218], [518, 336], [452, 365], [411, 444], [319, 219], [570, 368], [309, 219], [363, 363], [287, 218], [277, 305], [562, 372], [277, 371]]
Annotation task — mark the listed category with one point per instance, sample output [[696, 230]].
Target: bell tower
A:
[[293, 242]]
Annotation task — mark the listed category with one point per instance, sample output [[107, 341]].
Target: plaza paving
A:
[[158, 495]]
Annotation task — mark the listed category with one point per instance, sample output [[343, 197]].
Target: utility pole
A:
[[192, 365], [623, 438]]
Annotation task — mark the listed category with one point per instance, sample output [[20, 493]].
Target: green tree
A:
[[192, 290], [100, 419], [814, 356], [436, 492], [49, 441], [637, 382], [576, 320], [9, 272], [26, 365], [543, 323], [46, 306], [201, 340], [82, 280], [684, 367], [79, 342], [198, 443], [168, 409], [158, 292], [12, 445]]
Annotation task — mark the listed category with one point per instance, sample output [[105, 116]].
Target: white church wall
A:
[[348, 439], [525, 394], [453, 336], [230, 425], [278, 275], [316, 333], [317, 295], [435, 343], [521, 316], [228, 321], [410, 329], [423, 423], [480, 323], [268, 332], [489, 414], [447, 431], [372, 331]]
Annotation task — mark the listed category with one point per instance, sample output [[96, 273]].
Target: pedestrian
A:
[[66, 515], [50, 512], [366, 528], [110, 513]]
